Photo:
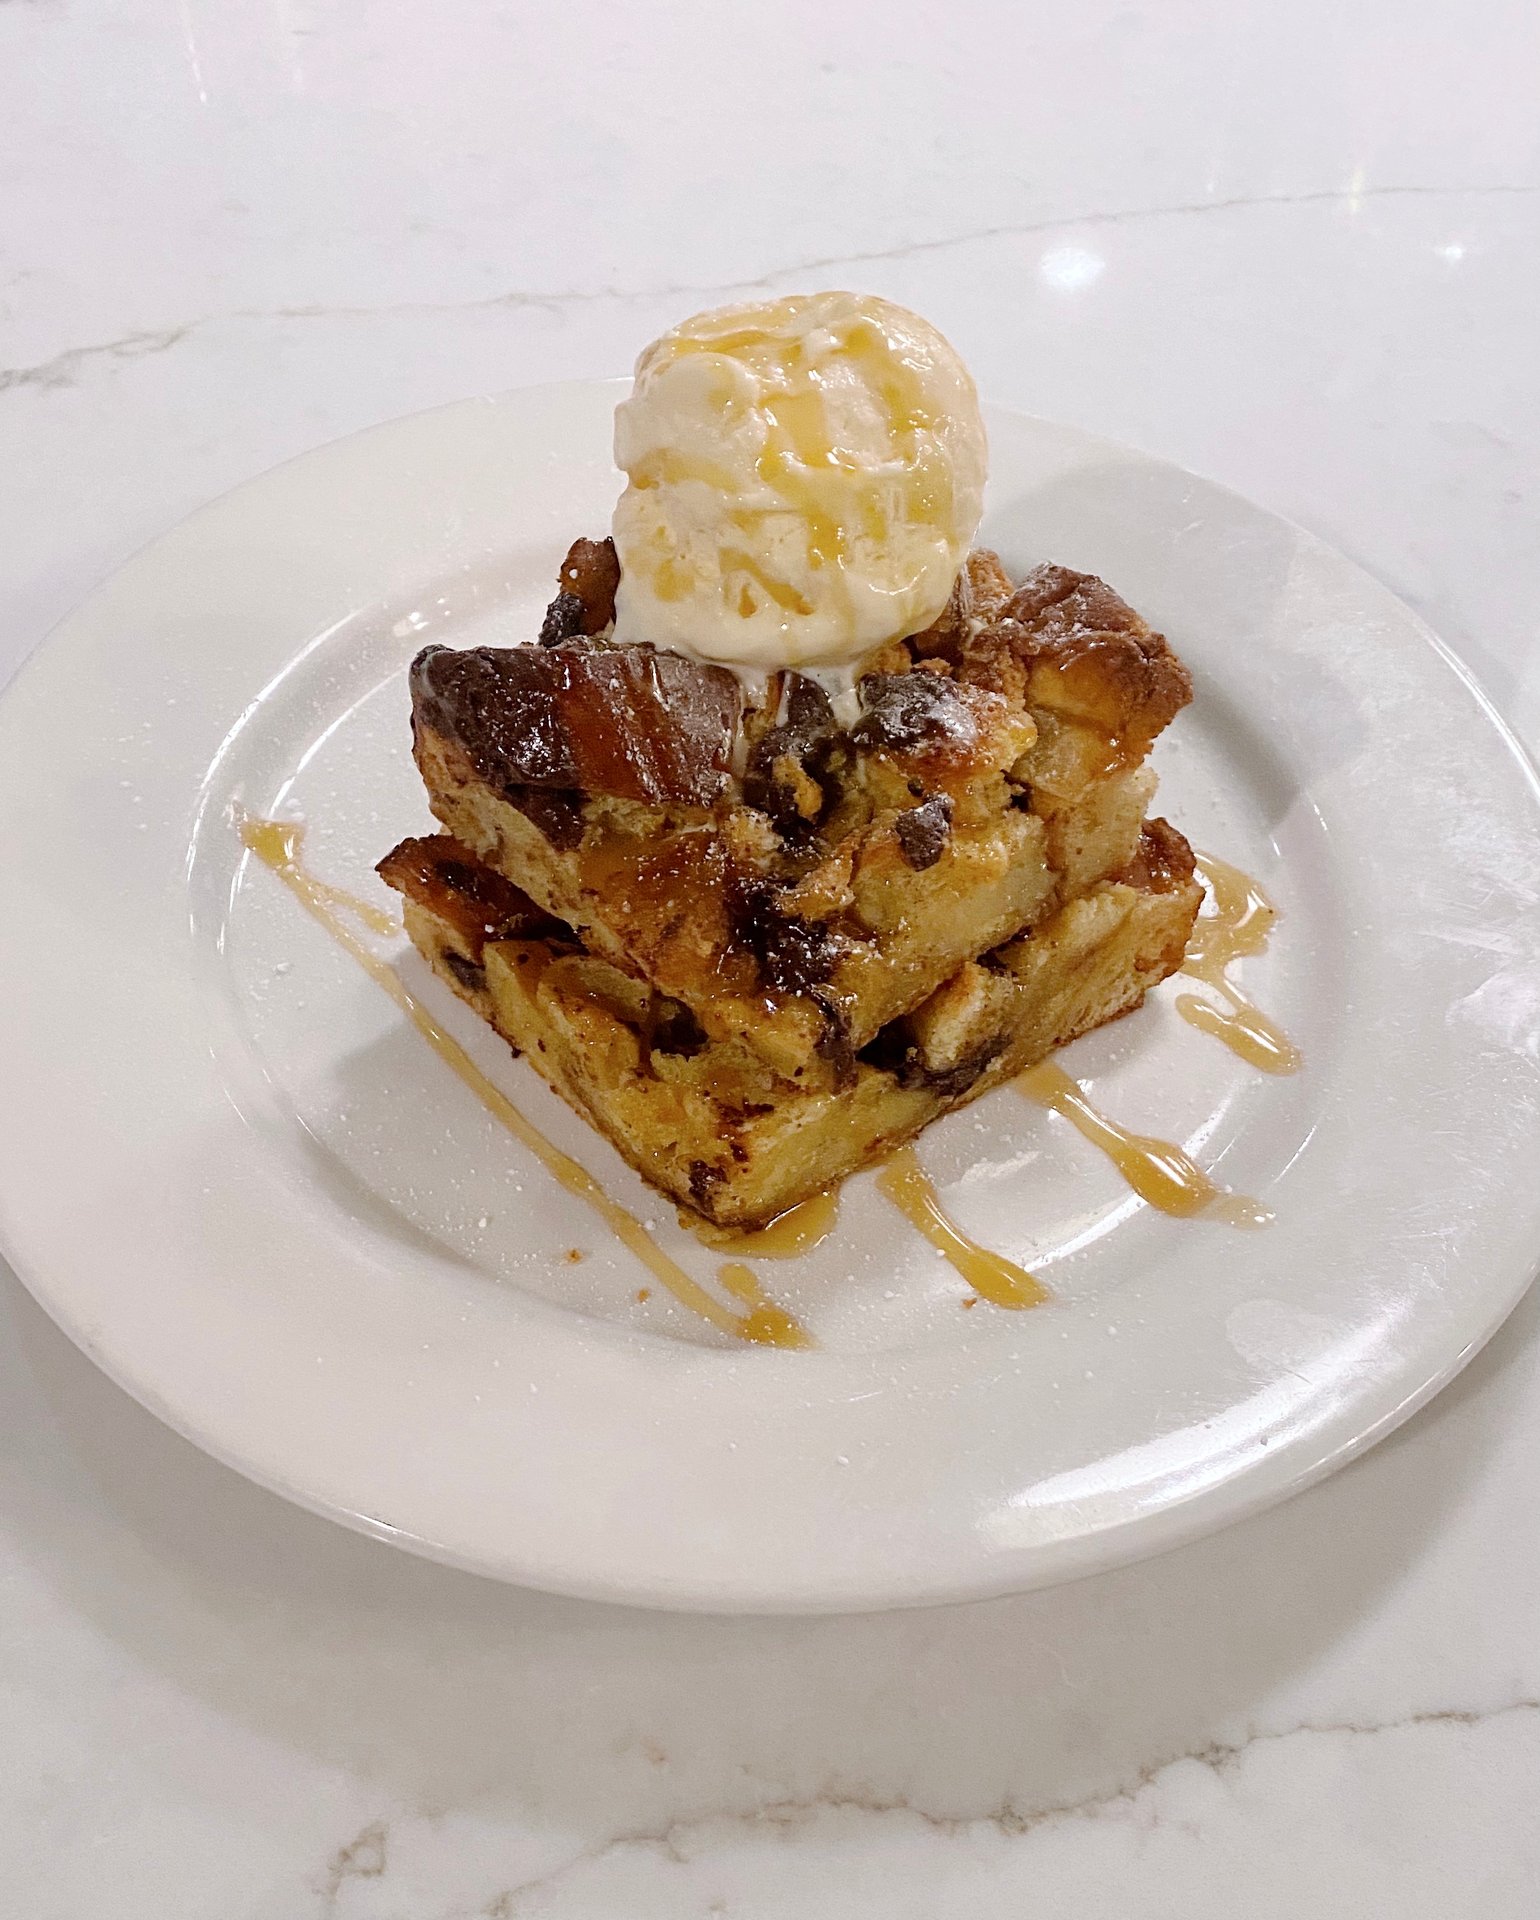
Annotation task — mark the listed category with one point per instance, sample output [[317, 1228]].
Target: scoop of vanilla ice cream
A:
[[805, 477]]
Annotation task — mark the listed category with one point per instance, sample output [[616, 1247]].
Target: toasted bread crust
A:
[[452, 884]]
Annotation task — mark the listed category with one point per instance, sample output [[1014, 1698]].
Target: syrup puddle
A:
[[765, 1322], [798, 1230], [1157, 1170], [991, 1276], [1236, 929], [277, 844]]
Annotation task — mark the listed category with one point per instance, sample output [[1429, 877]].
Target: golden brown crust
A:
[[1093, 657], [1064, 642], [977, 600], [968, 695], [585, 593]]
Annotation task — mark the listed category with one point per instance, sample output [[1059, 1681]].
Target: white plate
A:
[[239, 1180]]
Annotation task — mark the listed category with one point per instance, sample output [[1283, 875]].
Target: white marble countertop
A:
[[1295, 248]]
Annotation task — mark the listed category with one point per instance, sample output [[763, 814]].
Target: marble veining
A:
[[364, 1857], [1158, 1801], [63, 368], [1295, 249]]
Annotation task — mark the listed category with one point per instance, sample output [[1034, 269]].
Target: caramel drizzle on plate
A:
[[798, 1230], [765, 1322], [1158, 1170], [277, 844], [991, 1276], [1236, 929]]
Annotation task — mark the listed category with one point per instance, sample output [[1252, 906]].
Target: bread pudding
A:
[[704, 1120], [759, 883]]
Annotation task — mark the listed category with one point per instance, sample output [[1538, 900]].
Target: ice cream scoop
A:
[[804, 480]]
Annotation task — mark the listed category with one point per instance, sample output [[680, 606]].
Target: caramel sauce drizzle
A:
[[277, 844], [1159, 1171], [765, 1322], [798, 1230], [819, 481], [991, 1275], [1237, 929]]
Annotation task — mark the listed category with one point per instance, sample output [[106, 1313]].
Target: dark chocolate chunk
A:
[[794, 954], [834, 1042], [703, 1179], [888, 1048], [674, 1029], [893, 1051], [470, 976], [801, 742], [563, 620], [912, 712], [628, 721], [923, 831], [954, 1081]]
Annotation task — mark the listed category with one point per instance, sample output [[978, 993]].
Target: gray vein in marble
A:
[[62, 369], [1325, 196], [365, 1855], [906, 250], [363, 1858]]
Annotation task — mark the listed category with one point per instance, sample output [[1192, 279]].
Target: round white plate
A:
[[237, 1177]]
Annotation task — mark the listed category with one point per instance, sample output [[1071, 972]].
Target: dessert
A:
[[801, 822]]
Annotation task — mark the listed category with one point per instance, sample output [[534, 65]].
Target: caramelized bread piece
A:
[[583, 717], [585, 599], [470, 903], [703, 1122], [1100, 682], [479, 903]]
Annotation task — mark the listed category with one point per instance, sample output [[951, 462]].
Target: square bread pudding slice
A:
[[760, 947]]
